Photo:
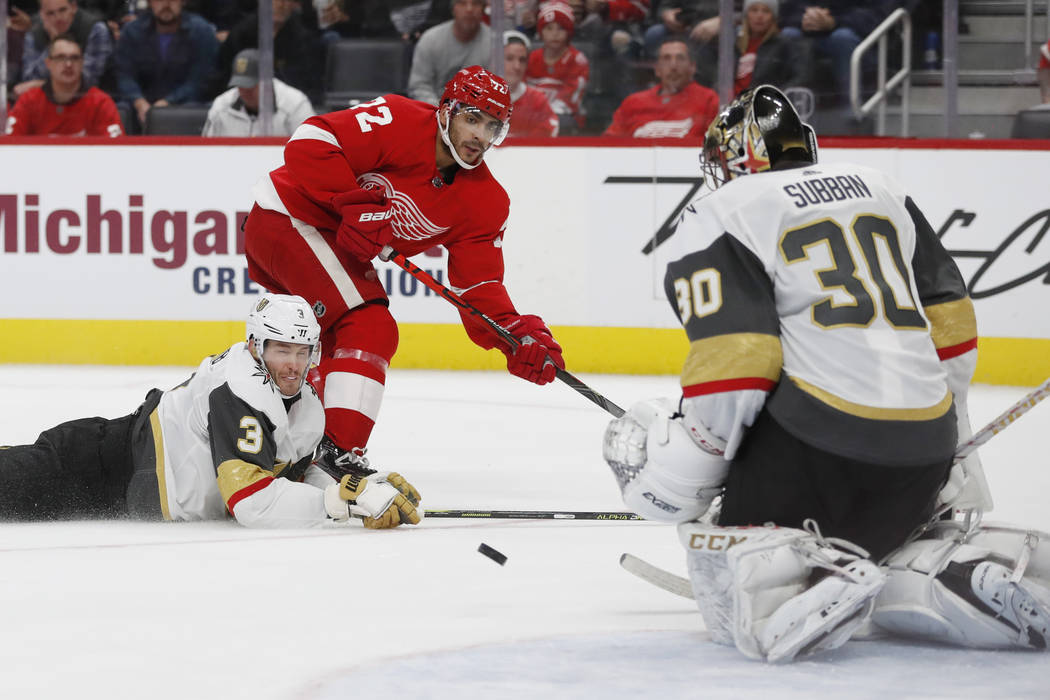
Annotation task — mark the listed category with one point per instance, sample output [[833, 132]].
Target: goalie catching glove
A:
[[538, 358], [365, 227], [383, 499]]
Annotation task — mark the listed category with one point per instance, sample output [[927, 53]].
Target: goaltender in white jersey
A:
[[835, 306], [832, 342], [236, 438]]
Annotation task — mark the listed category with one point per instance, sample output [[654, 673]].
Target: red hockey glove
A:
[[365, 227], [538, 357]]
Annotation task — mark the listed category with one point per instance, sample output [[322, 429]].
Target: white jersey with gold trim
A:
[[226, 434], [814, 281]]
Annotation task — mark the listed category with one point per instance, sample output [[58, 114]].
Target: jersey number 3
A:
[[251, 443], [868, 231]]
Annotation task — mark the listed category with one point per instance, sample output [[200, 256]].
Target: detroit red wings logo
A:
[[408, 222]]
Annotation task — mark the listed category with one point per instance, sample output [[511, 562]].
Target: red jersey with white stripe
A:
[[90, 113], [532, 116], [1044, 55], [389, 144], [563, 82], [648, 114]]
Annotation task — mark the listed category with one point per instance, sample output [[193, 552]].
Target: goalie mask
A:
[[475, 91], [284, 318], [754, 133]]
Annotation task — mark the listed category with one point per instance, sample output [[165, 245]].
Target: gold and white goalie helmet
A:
[[753, 134]]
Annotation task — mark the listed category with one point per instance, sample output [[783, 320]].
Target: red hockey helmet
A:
[[476, 87]]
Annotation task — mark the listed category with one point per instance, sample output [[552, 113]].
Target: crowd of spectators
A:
[[600, 65]]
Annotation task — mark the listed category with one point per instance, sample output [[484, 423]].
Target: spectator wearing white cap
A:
[[558, 69], [236, 111], [532, 115]]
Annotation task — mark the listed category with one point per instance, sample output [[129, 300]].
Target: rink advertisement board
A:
[[107, 242]]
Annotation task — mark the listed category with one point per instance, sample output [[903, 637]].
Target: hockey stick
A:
[[999, 423], [534, 514], [680, 586], [389, 254], [658, 577]]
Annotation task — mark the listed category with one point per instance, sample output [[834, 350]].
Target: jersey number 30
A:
[[868, 231]]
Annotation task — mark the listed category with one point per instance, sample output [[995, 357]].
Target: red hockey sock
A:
[[353, 375], [354, 381]]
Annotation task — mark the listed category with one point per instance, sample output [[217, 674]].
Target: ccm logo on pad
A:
[[376, 215]]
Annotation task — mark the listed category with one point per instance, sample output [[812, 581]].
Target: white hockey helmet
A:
[[282, 317]]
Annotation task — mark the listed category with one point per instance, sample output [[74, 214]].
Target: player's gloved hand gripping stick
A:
[[509, 338]]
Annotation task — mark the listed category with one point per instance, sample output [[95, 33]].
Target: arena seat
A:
[[357, 70], [1032, 123], [176, 120], [128, 120]]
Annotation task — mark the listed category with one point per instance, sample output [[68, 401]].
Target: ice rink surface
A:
[[164, 611]]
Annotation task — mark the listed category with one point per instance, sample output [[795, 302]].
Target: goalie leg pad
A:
[[988, 589], [709, 573], [783, 609], [756, 588]]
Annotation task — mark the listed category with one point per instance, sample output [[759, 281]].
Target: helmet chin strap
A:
[[443, 128]]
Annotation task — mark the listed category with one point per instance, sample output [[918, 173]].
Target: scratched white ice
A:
[[212, 610]]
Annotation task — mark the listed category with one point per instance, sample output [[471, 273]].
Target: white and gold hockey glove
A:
[[384, 499]]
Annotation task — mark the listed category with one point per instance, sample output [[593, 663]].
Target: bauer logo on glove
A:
[[376, 215], [365, 227]]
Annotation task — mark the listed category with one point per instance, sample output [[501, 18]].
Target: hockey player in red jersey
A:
[[400, 172]]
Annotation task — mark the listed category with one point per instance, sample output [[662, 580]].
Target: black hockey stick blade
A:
[[569, 379]]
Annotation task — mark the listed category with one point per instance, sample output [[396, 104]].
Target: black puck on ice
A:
[[498, 557]]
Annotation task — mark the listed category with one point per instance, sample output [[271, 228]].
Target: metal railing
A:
[[884, 87]]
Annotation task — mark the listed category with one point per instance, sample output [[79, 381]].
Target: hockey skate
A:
[[337, 462], [1012, 603]]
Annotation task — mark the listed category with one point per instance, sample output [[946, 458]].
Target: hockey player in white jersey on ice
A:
[[238, 437], [832, 342]]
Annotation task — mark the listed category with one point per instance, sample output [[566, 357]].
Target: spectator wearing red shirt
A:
[[532, 115], [678, 107], [61, 106], [559, 70]]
